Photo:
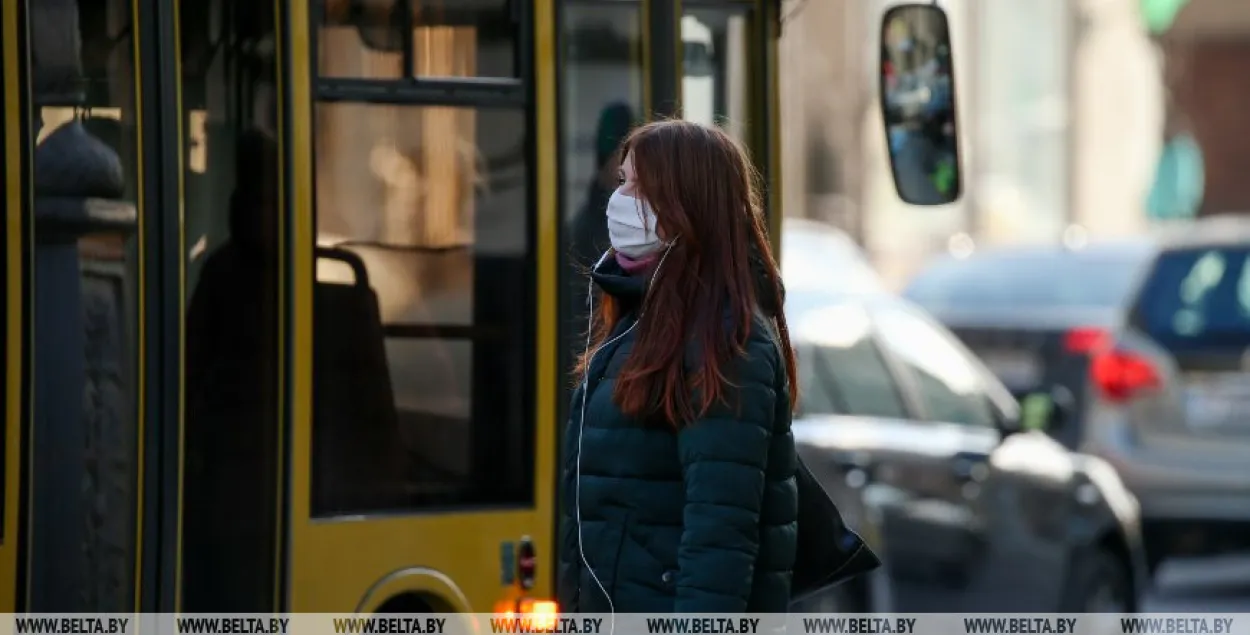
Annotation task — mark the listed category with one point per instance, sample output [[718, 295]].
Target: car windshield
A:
[[1198, 298], [1020, 280]]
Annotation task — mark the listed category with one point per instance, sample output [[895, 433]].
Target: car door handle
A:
[[970, 467]]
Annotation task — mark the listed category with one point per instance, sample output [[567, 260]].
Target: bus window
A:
[[602, 101], [365, 39], [715, 77], [230, 479], [85, 418], [423, 360]]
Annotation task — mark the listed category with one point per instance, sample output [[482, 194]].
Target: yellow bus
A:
[[290, 288]]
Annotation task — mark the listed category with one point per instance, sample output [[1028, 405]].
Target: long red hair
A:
[[704, 191]]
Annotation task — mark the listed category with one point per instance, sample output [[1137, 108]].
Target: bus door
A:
[[105, 209], [424, 303], [228, 556], [73, 290], [151, 295]]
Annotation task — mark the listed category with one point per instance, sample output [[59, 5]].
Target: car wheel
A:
[[1097, 584]]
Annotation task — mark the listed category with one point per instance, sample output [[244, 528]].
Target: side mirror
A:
[[917, 97], [1047, 410]]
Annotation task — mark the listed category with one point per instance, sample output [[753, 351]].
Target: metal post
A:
[[664, 25]]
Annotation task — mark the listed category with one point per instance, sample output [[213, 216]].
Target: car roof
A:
[[820, 258], [803, 308], [1223, 230], [1026, 262], [1131, 248], [805, 233], [810, 316]]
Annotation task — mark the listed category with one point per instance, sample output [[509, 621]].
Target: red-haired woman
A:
[[678, 490]]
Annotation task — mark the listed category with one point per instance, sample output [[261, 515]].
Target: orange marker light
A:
[[544, 614]]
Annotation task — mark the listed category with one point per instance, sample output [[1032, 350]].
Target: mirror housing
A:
[[917, 102], [1047, 410]]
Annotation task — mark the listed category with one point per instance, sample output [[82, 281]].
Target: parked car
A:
[[1030, 313], [1170, 400], [921, 448], [814, 250]]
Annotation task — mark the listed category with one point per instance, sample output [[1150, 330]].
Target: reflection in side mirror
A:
[[918, 104], [1047, 410]]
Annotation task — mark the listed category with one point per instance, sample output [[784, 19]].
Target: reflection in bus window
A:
[[85, 426], [447, 38], [715, 75], [602, 100], [424, 274], [230, 442]]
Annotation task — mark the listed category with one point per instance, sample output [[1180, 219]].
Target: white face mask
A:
[[632, 226]]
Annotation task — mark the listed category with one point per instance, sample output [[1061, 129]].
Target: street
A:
[[1206, 584]]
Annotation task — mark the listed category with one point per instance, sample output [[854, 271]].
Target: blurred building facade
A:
[[1065, 109], [1207, 51]]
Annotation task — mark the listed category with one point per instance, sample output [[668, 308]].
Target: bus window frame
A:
[[479, 94], [13, 191], [763, 94], [411, 86], [15, 188], [6, 186], [750, 11]]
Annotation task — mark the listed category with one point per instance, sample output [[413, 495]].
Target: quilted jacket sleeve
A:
[[723, 457]]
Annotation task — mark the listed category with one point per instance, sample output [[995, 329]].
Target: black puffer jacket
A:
[[696, 521]]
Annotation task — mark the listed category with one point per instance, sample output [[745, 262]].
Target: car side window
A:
[[817, 396], [948, 381], [842, 371]]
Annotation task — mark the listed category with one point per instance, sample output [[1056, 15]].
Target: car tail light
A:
[[539, 615], [1120, 375], [1084, 341]]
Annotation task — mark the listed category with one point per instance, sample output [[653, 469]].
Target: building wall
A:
[[1132, 88], [1118, 118], [822, 98], [1213, 91]]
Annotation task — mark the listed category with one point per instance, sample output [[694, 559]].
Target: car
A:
[[924, 453], [1170, 392], [1030, 312], [814, 250], [1163, 390]]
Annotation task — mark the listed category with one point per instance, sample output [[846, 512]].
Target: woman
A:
[[678, 461]]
